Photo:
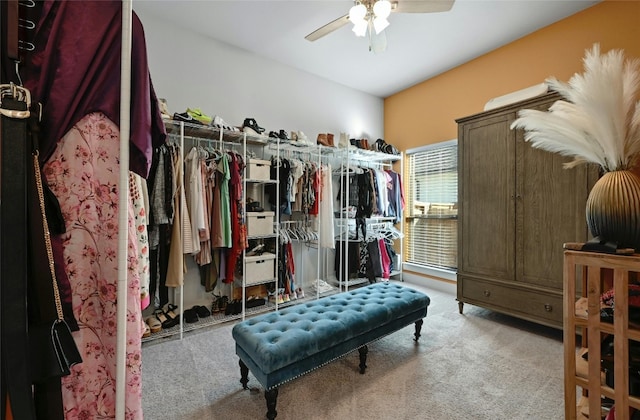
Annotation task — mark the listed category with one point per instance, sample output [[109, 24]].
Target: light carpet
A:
[[480, 365]]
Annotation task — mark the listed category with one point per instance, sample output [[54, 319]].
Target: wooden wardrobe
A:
[[517, 206]]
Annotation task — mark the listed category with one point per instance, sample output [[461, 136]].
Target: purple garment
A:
[[75, 70]]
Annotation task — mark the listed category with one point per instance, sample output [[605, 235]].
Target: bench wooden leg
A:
[[363, 358], [244, 374], [271, 397], [418, 329]]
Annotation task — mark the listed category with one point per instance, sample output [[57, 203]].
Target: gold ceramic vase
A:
[[613, 209]]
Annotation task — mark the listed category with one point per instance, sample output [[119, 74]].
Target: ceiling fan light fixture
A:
[[380, 23], [382, 9], [369, 17], [360, 28], [357, 13]]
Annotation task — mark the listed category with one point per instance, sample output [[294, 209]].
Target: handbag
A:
[[53, 350]]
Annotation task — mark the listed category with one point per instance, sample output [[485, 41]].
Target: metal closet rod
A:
[[201, 139]]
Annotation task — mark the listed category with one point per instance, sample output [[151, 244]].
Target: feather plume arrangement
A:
[[599, 122]]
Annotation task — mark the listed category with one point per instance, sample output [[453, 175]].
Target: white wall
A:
[[191, 70]]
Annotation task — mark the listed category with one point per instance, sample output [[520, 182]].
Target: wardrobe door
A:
[[550, 210], [486, 197]]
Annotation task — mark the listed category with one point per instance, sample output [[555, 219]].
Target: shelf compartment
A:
[[593, 271]]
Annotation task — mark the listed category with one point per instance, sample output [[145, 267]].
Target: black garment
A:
[[352, 180], [284, 166], [392, 256], [365, 195], [282, 268], [158, 266], [353, 265], [370, 261]]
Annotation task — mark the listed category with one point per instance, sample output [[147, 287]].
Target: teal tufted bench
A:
[[283, 345]]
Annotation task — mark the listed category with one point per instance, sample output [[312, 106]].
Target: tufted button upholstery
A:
[[281, 338]]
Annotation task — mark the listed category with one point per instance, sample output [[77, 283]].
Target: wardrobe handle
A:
[[548, 307], [487, 293]]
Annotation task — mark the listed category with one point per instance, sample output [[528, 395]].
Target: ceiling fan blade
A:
[[328, 28], [421, 6]]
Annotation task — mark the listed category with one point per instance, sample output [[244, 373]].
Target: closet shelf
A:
[[607, 328], [356, 155], [238, 282], [219, 318], [214, 319], [261, 181], [203, 132], [268, 236]]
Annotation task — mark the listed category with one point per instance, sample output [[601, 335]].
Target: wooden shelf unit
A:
[[591, 269]]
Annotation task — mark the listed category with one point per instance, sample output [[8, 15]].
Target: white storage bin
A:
[[260, 268], [259, 169], [260, 223]]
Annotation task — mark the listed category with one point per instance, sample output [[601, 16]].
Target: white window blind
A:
[[432, 216]]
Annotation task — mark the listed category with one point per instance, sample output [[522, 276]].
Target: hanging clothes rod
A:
[[174, 136]]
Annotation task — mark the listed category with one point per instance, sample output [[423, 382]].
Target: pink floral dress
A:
[[83, 173]]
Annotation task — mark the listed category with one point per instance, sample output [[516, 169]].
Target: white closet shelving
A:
[[189, 135], [259, 276], [374, 225]]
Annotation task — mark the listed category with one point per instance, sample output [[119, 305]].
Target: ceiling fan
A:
[[369, 16]]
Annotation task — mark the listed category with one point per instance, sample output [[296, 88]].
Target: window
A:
[[432, 211]]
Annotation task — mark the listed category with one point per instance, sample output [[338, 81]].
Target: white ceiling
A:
[[420, 46]]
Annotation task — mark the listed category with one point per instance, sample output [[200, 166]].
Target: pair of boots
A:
[[326, 139], [344, 142]]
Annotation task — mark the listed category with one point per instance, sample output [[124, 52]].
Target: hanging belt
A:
[[14, 156]]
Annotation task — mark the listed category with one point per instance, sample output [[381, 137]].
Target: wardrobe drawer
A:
[[513, 300]]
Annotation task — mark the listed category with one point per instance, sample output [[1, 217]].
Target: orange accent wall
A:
[[426, 113]]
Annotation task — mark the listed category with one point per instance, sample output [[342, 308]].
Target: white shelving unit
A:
[[344, 223], [263, 149]]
